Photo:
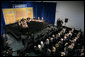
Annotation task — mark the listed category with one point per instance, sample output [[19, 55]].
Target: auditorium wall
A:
[[73, 10]]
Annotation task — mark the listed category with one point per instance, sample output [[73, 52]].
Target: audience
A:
[[65, 46]]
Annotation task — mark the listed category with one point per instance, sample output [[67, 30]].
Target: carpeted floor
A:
[[14, 44]]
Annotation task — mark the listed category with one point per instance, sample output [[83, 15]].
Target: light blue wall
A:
[[73, 10]]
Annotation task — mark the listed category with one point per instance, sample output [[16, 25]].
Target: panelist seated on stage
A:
[[34, 19], [39, 20]]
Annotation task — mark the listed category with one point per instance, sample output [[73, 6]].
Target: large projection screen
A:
[[12, 15], [8, 16], [20, 13]]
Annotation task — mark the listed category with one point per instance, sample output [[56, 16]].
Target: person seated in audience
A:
[[67, 34], [70, 33], [79, 33], [53, 51], [39, 48], [65, 37], [35, 48], [42, 44], [58, 37], [71, 46], [66, 44], [61, 39], [64, 30], [74, 40], [82, 54], [47, 42], [48, 52], [59, 34], [51, 41], [53, 36], [72, 29], [82, 50], [62, 53], [71, 49], [55, 39], [56, 45]]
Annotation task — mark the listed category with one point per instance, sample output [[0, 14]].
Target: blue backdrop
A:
[[40, 9]]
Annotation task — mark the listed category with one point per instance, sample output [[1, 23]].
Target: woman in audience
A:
[[53, 51], [63, 54]]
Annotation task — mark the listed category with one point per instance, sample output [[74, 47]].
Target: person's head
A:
[[66, 43], [78, 33], [22, 19], [61, 39], [41, 42], [62, 53], [39, 46], [34, 18], [67, 34], [38, 18], [53, 49], [51, 39], [64, 29], [73, 29], [48, 50], [42, 18], [53, 35], [56, 45], [72, 44], [35, 46], [65, 37], [28, 18], [47, 41], [59, 34]]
